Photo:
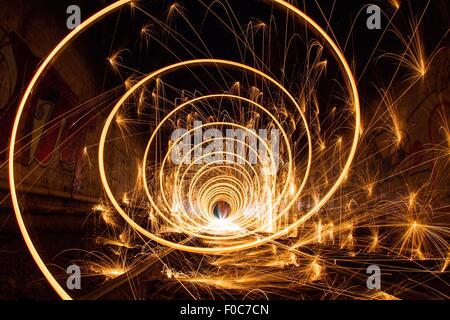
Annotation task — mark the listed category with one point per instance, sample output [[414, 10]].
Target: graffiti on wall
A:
[[50, 130]]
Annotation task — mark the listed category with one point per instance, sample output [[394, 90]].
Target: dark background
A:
[[19, 276]]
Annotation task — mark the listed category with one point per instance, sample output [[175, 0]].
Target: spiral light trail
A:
[[261, 196]]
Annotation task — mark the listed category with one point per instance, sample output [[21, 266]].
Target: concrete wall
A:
[[68, 181]]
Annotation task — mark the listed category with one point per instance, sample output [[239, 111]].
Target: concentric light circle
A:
[[227, 188]]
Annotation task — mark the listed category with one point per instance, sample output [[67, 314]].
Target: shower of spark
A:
[[299, 216]]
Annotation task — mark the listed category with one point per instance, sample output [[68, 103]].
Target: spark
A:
[[395, 4], [315, 270], [262, 239], [125, 199], [109, 272], [116, 59]]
